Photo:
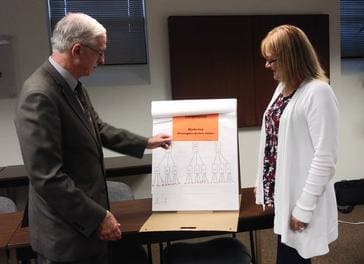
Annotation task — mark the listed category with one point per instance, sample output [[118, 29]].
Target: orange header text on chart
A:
[[196, 128]]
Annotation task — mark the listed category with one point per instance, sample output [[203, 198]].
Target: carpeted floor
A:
[[347, 249]]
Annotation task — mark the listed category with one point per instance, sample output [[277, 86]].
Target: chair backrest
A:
[[223, 250], [119, 191], [7, 205]]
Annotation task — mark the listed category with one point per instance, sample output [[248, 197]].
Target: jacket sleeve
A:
[[120, 140], [322, 118]]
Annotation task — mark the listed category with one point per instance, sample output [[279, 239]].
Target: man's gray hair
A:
[[73, 28]]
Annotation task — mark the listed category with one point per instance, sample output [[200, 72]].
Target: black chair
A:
[[224, 250], [7, 205], [119, 191], [121, 251]]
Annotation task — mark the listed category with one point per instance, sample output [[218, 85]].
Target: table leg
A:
[[161, 247], [12, 256], [149, 252], [3, 256], [253, 246]]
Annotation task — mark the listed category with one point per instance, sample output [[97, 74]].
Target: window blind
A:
[[124, 21], [352, 28]]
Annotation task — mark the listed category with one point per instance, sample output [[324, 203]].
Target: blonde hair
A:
[[294, 53]]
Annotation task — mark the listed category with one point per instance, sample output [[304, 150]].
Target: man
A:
[[61, 139]]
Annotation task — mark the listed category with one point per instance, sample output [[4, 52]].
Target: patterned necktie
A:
[[85, 106], [82, 98]]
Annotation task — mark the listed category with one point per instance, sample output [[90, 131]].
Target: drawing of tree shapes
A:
[[203, 176], [166, 171], [229, 177], [214, 169], [221, 169], [196, 169], [157, 179]]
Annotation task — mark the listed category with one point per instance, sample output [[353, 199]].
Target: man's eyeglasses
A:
[[99, 52], [270, 62]]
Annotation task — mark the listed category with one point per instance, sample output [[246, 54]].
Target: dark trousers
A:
[[119, 252], [127, 252], [288, 255], [100, 259]]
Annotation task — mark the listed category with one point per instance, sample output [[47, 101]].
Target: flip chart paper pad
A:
[[192, 221], [200, 169]]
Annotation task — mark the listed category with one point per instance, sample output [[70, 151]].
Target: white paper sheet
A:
[[196, 174]]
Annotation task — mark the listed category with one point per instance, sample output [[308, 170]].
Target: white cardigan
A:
[[306, 158]]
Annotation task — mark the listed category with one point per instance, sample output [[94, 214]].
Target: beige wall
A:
[[122, 95]]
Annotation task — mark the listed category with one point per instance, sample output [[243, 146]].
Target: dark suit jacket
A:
[[63, 157]]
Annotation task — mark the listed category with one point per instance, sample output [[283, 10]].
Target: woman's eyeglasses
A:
[[270, 62]]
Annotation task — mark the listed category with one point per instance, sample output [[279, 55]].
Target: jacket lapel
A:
[[72, 101]]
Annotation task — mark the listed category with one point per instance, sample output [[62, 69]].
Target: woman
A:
[[298, 148]]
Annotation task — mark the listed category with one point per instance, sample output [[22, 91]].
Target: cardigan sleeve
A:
[[322, 118]]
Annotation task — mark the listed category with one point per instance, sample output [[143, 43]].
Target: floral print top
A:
[[272, 118]]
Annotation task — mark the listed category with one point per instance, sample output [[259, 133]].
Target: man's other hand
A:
[[109, 228]]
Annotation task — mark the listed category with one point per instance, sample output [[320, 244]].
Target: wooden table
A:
[[9, 223], [132, 215], [16, 175]]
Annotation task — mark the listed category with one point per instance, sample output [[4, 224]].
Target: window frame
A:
[[352, 29], [127, 35]]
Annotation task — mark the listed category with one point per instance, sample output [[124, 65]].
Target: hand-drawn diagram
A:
[[221, 169], [201, 166], [166, 172], [197, 171]]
